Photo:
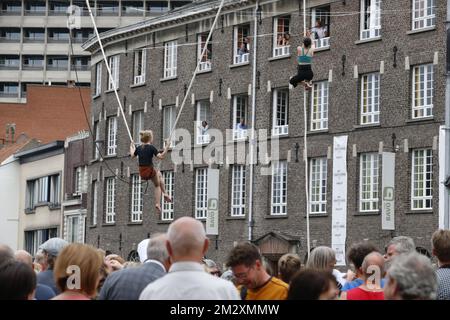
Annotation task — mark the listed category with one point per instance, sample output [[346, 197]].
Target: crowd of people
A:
[[173, 267]]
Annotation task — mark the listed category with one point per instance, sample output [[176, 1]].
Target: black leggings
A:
[[304, 72]]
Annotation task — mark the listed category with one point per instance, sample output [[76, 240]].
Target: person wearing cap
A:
[[51, 249]]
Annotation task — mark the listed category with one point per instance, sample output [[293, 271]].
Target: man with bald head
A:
[[43, 292], [187, 279], [372, 272]]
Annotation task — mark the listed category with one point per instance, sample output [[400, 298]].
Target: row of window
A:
[[43, 191], [29, 62], [423, 17], [369, 199], [103, 8], [11, 34], [422, 107], [19, 90]]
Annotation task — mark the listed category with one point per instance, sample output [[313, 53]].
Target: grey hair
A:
[[156, 248], [403, 244], [414, 276], [321, 258], [369, 263], [186, 236]]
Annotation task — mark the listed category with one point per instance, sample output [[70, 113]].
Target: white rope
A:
[[305, 154], [195, 72], [113, 80]]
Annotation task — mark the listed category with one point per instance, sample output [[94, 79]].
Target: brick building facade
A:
[[379, 81]]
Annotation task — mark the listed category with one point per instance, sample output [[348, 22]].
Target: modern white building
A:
[[34, 39]]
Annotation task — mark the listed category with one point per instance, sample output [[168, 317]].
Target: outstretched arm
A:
[[132, 150], [161, 155]]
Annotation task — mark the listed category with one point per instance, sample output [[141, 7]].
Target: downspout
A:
[[252, 130], [447, 124]]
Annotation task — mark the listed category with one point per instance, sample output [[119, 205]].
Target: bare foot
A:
[[158, 208], [167, 198]]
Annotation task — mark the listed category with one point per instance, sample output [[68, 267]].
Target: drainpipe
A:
[[252, 130], [447, 126]]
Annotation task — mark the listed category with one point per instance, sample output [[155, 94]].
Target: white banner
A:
[[212, 218], [388, 192], [442, 133], [339, 204]]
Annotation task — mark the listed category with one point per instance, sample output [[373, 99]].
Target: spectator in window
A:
[[312, 284], [88, 261], [319, 31], [241, 125], [255, 283], [244, 47], [51, 249], [288, 265], [441, 249], [280, 40], [411, 277], [372, 273], [286, 39], [203, 128]]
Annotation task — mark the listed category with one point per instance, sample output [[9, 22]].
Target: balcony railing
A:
[[60, 11], [9, 39], [240, 134], [9, 94], [281, 51], [80, 40], [371, 33], [78, 67], [11, 12], [34, 39], [35, 12], [204, 66], [203, 138], [322, 43], [241, 58], [280, 130], [33, 67], [58, 40], [139, 79], [108, 12], [57, 67], [132, 11], [9, 66]]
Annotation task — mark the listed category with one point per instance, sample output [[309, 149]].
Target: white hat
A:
[[142, 250]]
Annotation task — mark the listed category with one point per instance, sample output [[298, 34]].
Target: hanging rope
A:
[[169, 138], [113, 80], [305, 154]]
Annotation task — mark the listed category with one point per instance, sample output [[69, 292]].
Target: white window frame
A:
[[237, 58], [167, 207], [370, 29], [110, 200], [170, 59], [280, 120], [201, 193], [278, 206], [239, 102], [238, 192], [55, 189], [422, 167], [370, 98], [73, 230], [98, 79], [114, 65], [136, 198], [140, 60], [112, 136], [422, 91], [97, 138], [319, 106], [95, 203], [323, 43], [203, 114], [280, 50], [169, 115], [79, 179], [423, 14], [318, 185], [369, 182], [138, 125], [43, 192], [205, 63]]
